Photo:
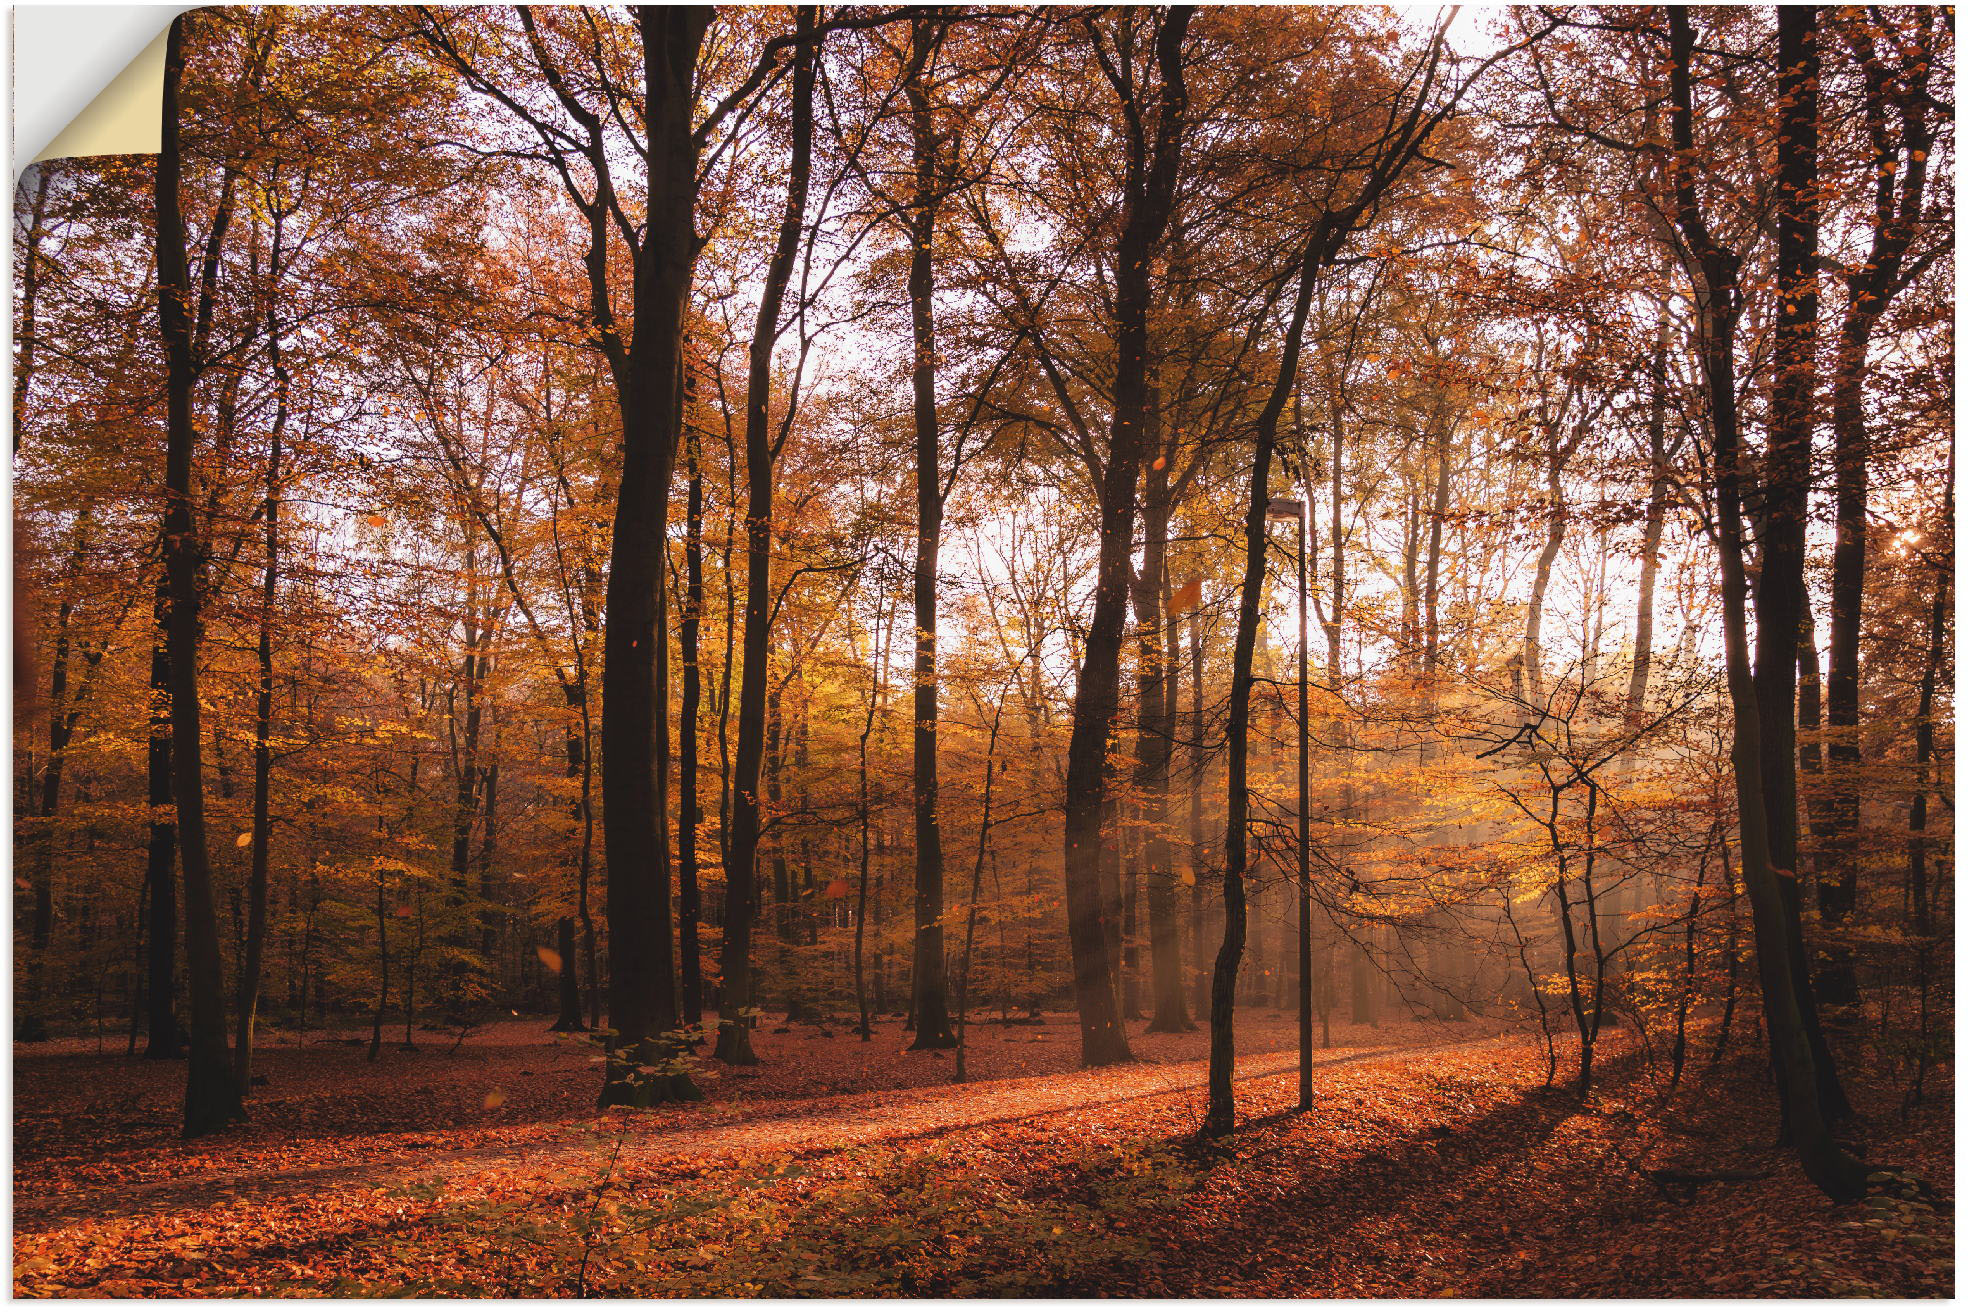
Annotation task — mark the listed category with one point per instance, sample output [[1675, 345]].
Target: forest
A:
[[961, 650]]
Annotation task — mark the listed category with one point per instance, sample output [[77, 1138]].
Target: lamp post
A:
[[1286, 508]]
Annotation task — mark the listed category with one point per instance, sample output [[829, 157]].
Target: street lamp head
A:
[[1285, 508]]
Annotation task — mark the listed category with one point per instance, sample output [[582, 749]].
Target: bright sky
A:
[[1472, 33]]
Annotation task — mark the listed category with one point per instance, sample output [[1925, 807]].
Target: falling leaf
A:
[[549, 958], [837, 889], [244, 840], [495, 1099], [375, 521]]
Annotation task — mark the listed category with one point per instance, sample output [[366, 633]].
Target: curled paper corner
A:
[[53, 71], [123, 119]]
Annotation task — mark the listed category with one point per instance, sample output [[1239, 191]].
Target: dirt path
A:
[[793, 1128]]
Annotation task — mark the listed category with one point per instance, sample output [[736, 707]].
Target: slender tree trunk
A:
[[1149, 199], [930, 1003], [262, 831], [465, 730], [1557, 518], [490, 918], [1221, 1115], [1155, 737], [1658, 490], [635, 740], [33, 190], [976, 887], [1198, 770], [864, 813], [734, 1044], [211, 1094], [1918, 894], [584, 863], [382, 973], [161, 1042], [1869, 288], [28, 1024], [1438, 512], [1684, 999], [1780, 596], [1713, 272], [64, 713], [690, 810]]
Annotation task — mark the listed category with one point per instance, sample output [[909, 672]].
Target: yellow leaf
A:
[[549, 958], [495, 1099], [244, 840]]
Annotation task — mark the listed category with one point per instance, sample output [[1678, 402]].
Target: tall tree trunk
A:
[[734, 1044], [211, 1094], [690, 809], [161, 1041], [1199, 757], [490, 918], [1431, 587], [1659, 488], [1714, 271], [64, 713], [1155, 735], [976, 885], [1221, 1116], [262, 832], [1780, 595], [879, 663], [1557, 518], [382, 973], [465, 732], [566, 942], [635, 740], [1919, 895], [1149, 199], [28, 1023], [930, 1004], [1869, 288], [33, 190]]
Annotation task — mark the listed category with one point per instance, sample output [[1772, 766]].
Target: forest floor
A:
[[1434, 1163]]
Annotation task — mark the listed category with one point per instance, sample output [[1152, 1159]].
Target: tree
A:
[[1154, 122], [1897, 163], [762, 450], [211, 1091], [1713, 270]]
